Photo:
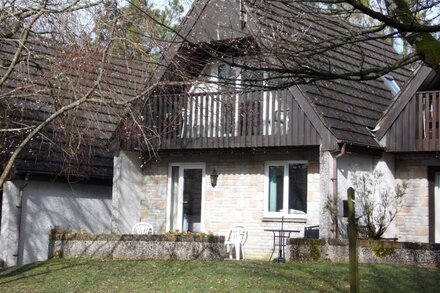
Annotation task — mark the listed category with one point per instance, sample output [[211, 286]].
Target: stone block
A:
[[422, 231], [399, 220], [423, 202], [144, 213], [162, 205]]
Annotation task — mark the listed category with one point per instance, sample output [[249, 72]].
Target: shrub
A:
[[376, 205]]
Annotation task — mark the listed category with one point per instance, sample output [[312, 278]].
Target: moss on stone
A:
[[312, 245], [315, 251], [382, 249]]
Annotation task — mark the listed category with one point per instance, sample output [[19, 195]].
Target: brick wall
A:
[[238, 198], [412, 221], [154, 196]]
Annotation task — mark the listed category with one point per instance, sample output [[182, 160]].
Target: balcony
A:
[[427, 130], [230, 120]]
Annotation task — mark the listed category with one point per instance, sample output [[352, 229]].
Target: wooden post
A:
[[352, 237]]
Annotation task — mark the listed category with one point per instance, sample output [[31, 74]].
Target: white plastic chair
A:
[[142, 228], [236, 239]]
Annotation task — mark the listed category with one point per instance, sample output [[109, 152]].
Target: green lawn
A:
[[79, 275]]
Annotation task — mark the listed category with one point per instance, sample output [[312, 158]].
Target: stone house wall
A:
[[238, 198], [413, 220], [351, 165]]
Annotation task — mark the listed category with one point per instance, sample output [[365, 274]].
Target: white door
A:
[[185, 197], [437, 208]]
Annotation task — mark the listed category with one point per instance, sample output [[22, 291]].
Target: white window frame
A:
[[276, 215], [183, 166]]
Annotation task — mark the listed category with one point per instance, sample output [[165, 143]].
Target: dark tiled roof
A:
[[49, 77], [348, 108], [349, 117]]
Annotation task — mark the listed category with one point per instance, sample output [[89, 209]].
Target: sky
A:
[[160, 3]]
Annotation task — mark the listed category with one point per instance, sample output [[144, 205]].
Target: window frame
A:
[[267, 215], [182, 166]]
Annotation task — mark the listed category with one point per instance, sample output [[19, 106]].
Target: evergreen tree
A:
[[142, 30]]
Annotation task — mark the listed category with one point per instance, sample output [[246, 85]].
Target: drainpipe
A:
[[335, 188], [19, 207]]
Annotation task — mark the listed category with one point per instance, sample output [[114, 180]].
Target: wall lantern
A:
[[214, 177]]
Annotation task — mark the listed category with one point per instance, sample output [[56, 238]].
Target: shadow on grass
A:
[[389, 278], [400, 278], [33, 270], [17, 270]]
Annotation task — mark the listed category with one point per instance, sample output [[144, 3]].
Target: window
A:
[[286, 187], [391, 84], [252, 79], [231, 78], [227, 76]]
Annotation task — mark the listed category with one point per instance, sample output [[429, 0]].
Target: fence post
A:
[[352, 237]]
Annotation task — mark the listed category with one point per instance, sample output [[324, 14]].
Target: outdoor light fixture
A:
[[214, 177]]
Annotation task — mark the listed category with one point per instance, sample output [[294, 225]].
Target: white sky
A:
[[160, 3]]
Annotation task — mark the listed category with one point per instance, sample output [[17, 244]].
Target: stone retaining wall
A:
[[137, 247], [369, 251]]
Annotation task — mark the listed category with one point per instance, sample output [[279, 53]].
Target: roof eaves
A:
[[378, 147]]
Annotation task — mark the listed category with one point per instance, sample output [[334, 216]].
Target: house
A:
[[243, 147], [63, 177], [276, 153]]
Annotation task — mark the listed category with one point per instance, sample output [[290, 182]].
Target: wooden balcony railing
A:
[[427, 121], [214, 120]]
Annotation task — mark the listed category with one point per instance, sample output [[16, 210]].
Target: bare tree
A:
[[302, 41], [63, 90], [376, 204], [271, 45], [416, 22], [286, 43]]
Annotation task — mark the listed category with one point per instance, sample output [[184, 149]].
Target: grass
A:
[[82, 275]]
